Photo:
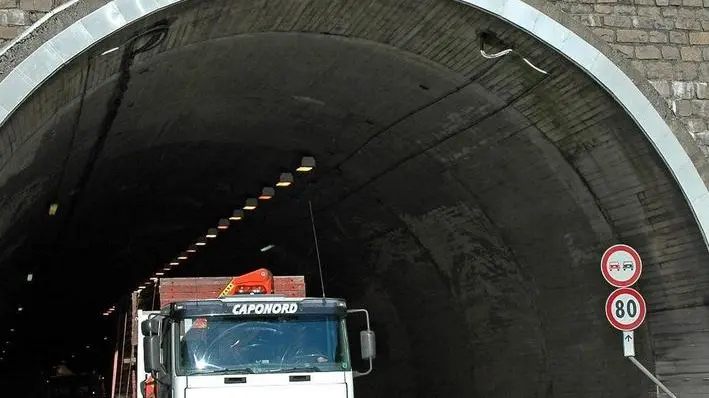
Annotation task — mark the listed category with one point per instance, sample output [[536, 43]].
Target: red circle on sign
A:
[[605, 266], [642, 310]]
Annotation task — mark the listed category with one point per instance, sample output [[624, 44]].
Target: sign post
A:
[[629, 344], [625, 307]]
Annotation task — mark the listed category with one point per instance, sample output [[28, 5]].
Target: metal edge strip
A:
[[92, 28]]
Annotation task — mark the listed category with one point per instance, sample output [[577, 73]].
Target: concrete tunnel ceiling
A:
[[475, 194]]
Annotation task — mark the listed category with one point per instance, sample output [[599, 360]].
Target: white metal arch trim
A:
[[81, 35]]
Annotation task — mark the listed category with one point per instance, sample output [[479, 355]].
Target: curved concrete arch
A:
[[607, 73], [55, 52]]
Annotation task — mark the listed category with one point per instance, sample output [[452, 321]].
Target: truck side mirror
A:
[[151, 344], [150, 327], [151, 350], [368, 343]]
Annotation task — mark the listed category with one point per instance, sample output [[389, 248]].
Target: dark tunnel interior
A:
[[464, 201]]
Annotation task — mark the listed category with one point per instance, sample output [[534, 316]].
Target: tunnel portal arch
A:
[[39, 65], [681, 159]]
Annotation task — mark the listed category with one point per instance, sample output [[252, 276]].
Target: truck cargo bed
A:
[[200, 288]]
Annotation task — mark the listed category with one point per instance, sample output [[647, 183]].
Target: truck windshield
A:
[[224, 344]]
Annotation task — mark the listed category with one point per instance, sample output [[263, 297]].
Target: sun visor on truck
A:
[[255, 308]]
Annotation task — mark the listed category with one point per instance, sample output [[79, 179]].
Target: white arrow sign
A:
[[629, 344]]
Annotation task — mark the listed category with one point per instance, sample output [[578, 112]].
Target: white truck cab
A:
[[268, 346]]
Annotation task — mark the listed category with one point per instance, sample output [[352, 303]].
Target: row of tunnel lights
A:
[[53, 208], [3, 351], [307, 164]]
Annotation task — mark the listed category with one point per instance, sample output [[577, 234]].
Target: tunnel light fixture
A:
[[285, 180], [30, 277], [19, 309], [174, 262], [154, 279], [223, 224], [306, 164], [237, 215], [159, 273], [53, 209], [167, 268], [267, 193], [267, 248], [12, 330], [202, 241], [251, 204], [212, 233], [182, 256], [192, 249]]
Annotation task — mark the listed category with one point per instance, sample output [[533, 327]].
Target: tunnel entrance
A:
[[465, 200]]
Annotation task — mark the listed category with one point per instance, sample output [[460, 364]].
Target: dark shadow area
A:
[[464, 201]]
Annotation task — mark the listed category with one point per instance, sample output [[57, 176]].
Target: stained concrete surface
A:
[[465, 201]]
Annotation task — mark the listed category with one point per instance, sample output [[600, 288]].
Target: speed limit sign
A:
[[625, 309]]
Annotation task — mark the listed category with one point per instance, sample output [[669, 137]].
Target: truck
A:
[[249, 335]]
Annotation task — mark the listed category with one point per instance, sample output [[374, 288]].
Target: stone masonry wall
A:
[[667, 40], [17, 15]]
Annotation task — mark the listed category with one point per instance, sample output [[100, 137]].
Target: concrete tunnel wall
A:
[[444, 246]]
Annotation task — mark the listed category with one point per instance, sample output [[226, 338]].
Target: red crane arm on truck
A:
[[257, 282]]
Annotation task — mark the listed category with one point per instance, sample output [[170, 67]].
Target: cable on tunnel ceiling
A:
[[411, 113], [433, 145], [403, 117], [132, 47], [75, 125], [470, 80], [485, 35]]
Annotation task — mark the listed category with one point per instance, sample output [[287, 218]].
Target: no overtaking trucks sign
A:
[[621, 265]]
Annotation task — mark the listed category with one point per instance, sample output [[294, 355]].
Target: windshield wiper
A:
[[225, 371], [301, 369]]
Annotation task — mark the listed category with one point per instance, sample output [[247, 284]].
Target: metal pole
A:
[[652, 377], [123, 355], [115, 372]]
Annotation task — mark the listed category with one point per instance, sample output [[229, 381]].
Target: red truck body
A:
[[260, 281]]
